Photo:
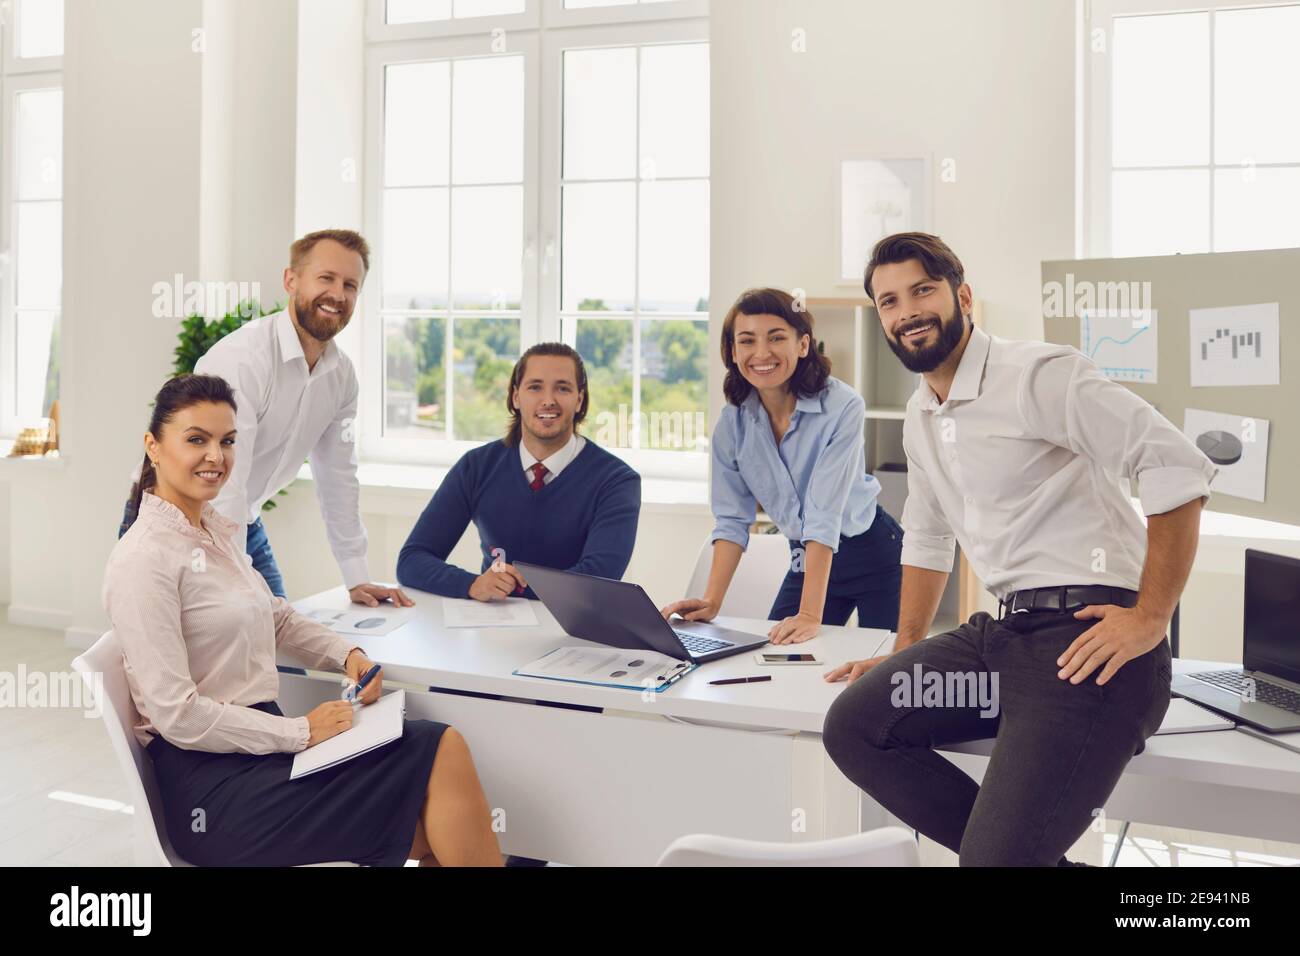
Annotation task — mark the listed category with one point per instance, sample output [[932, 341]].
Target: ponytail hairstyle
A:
[[177, 394]]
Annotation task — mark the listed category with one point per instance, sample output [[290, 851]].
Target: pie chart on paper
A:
[[1222, 448]]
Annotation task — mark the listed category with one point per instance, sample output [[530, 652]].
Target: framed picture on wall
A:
[[878, 197]]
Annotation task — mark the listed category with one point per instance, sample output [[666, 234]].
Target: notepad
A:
[[373, 725], [1186, 717]]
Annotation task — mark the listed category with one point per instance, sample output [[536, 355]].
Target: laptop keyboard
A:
[[1237, 683], [699, 645]]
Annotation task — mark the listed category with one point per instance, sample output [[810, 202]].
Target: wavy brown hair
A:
[[811, 372]]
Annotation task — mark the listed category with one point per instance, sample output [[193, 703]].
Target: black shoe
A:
[[523, 861], [1064, 862]]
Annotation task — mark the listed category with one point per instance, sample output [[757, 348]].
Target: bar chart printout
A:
[[1237, 345]]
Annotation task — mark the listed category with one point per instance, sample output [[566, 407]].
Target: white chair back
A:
[[887, 846], [102, 669], [762, 568]]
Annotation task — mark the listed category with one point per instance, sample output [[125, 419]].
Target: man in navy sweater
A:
[[543, 494]]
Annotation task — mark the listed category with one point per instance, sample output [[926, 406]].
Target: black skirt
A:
[[235, 809]]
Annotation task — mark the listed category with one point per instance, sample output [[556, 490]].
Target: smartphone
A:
[[773, 657]]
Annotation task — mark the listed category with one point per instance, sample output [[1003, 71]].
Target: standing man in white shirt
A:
[[1014, 449], [297, 396]]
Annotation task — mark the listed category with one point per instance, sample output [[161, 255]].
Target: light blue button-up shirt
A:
[[814, 485]]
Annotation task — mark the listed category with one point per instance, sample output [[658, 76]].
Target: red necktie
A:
[[539, 471]]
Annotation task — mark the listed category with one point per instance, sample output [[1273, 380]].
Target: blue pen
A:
[[355, 691]]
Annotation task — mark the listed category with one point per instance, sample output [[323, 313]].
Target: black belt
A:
[[1069, 597]]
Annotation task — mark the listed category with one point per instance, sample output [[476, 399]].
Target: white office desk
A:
[[616, 782], [605, 785]]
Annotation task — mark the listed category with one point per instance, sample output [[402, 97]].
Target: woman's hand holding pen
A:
[[356, 666]]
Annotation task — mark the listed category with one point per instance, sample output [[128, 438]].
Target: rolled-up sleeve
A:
[[734, 507], [840, 463], [1065, 399], [142, 597], [928, 539]]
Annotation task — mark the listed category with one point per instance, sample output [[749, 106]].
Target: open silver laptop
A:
[[621, 614], [1265, 691]]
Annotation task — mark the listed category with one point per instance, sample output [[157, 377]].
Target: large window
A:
[[541, 180], [31, 215], [1191, 144]]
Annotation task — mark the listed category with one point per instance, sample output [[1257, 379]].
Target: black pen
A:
[[741, 680]]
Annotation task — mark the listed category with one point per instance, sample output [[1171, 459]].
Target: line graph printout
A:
[[1237, 345], [1122, 344]]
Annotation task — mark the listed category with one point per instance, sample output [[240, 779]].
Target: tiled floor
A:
[[64, 802]]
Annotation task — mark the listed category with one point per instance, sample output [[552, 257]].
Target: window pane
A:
[[39, 144], [416, 256], [674, 247], [487, 8], [40, 255], [675, 111], [1255, 70], [1160, 90], [487, 247], [415, 377], [606, 350], [488, 121], [40, 28], [37, 357], [1161, 212], [585, 4], [416, 11], [417, 123], [600, 114], [1256, 209], [485, 353], [674, 382], [598, 253]]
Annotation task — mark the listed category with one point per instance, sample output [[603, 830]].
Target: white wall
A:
[[987, 84]]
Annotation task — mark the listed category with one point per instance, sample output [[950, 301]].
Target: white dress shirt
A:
[[287, 413], [555, 462], [1021, 465]]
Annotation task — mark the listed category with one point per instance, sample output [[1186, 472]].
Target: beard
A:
[[930, 357], [320, 327]]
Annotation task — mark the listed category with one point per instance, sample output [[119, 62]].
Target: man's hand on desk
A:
[[355, 667], [497, 583], [852, 669], [1120, 634], [371, 594]]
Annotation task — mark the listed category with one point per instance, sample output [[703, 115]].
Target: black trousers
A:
[[1059, 748]]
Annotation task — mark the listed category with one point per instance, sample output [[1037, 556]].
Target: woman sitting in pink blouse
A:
[[200, 630]]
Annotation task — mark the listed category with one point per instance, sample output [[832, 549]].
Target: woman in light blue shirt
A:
[[791, 437]]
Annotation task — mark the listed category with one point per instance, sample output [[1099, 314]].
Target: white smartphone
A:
[[771, 658]]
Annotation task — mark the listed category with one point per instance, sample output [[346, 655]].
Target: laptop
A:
[[1265, 691], [621, 614]]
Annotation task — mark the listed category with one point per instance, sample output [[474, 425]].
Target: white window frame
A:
[[678, 21], [18, 76], [1096, 153]]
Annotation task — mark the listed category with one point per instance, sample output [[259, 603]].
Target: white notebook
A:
[[373, 726], [1186, 717]]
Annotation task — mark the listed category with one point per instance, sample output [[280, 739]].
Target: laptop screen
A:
[[1271, 629]]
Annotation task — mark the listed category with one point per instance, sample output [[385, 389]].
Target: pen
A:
[[741, 680], [366, 678]]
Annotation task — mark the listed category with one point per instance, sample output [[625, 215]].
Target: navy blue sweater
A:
[[584, 519]]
